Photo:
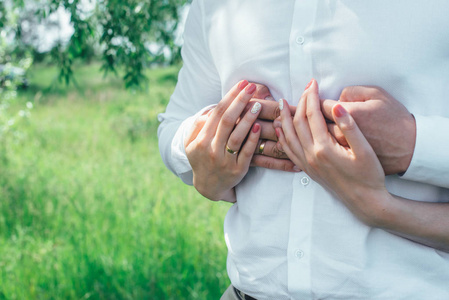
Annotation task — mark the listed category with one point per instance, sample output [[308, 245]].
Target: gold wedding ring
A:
[[262, 146], [231, 151]]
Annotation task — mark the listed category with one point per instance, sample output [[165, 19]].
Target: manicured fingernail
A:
[[339, 110], [278, 132], [251, 88], [242, 84], [281, 104], [269, 97], [309, 84], [256, 127], [297, 169], [256, 107]]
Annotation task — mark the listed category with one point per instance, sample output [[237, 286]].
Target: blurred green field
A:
[[87, 208]]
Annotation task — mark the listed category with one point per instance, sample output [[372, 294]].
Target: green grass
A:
[[87, 208]]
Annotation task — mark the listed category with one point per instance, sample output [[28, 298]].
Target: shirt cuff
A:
[[178, 151], [430, 160]]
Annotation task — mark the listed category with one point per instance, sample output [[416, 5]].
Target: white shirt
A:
[[287, 237]]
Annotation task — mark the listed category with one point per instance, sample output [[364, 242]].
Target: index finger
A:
[[315, 117], [223, 105]]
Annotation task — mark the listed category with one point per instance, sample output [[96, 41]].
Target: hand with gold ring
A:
[[220, 150], [262, 146], [230, 150], [272, 156]]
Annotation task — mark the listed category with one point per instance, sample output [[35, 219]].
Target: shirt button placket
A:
[[302, 217]]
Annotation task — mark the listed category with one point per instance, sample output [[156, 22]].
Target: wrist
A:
[[229, 196], [383, 215], [205, 191], [371, 206]]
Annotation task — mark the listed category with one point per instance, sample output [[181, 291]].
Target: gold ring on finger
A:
[[231, 151], [262, 146]]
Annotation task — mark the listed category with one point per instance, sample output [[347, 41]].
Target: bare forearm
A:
[[423, 222]]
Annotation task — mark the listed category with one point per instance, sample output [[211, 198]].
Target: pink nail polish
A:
[[309, 84], [250, 88], [256, 127], [339, 110], [242, 84]]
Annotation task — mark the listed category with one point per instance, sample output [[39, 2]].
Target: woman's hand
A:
[[222, 143], [353, 172]]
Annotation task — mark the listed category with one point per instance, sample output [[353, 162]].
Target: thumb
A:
[[326, 108], [355, 138], [196, 128]]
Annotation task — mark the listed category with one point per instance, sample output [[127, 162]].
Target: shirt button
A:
[[299, 254], [300, 40], [305, 181]]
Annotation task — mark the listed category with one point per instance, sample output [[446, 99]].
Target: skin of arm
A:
[[355, 174]]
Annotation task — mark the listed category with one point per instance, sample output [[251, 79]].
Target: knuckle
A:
[[379, 92], [287, 166], [261, 89], [348, 126], [215, 158], [270, 164], [346, 91], [228, 120], [309, 113], [220, 109], [202, 144], [277, 152], [249, 117], [265, 163], [320, 152], [243, 98], [233, 140]]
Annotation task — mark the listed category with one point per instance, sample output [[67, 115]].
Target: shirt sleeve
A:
[[430, 162], [198, 87]]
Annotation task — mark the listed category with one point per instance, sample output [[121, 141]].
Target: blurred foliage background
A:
[[87, 208]]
